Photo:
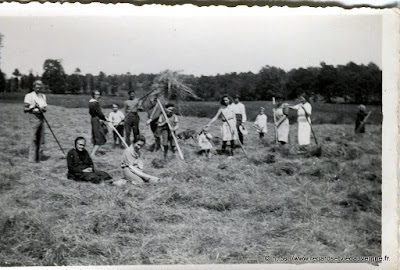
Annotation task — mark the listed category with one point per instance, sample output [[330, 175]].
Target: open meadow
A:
[[276, 206]]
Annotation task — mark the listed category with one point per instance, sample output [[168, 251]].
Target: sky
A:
[[198, 45]]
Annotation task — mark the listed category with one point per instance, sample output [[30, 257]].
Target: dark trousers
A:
[[156, 132], [131, 124], [37, 137], [120, 129], [94, 177], [238, 124]]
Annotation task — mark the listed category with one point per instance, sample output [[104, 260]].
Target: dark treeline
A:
[[350, 83]]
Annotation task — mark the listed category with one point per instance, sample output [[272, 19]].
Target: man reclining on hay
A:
[[80, 165], [133, 165]]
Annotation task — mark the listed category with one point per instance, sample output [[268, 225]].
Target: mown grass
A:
[[276, 203], [322, 113]]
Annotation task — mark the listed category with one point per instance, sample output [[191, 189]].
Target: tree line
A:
[[350, 83]]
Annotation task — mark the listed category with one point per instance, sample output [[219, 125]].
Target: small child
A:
[[204, 142], [261, 123], [166, 133], [117, 118]]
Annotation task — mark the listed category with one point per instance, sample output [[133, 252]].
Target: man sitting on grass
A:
[[133, 165], [80, 165]]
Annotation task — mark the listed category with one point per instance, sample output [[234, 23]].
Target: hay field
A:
[[265, 209]]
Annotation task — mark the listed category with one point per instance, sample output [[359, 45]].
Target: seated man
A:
[[80, 165], [133, 165]]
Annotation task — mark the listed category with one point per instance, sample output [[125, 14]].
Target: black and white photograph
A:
[[197, 136]]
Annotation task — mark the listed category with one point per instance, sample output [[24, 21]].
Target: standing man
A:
[[132, 105], [240, 111], [35, 104], [154, 113]]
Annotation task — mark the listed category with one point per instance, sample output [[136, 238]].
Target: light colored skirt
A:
[[229, 132], [283, 131], [304, 131], [130, 176]]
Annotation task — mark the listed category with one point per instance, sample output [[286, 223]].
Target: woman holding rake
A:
[[228, 128]]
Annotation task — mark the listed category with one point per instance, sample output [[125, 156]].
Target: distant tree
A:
[[54, 76], [31, 79], [301, 81], [2, 82], [17, 75], [327, 82], [271, 83], [89, 83], [114, 84]]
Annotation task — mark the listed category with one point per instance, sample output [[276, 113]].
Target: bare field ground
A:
[[276, 204]]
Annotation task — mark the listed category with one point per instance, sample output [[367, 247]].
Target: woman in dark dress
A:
[[80, 165], [99, 130]]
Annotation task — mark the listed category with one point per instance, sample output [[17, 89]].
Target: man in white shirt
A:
[[35, 104], [117, 120], [240, 112]]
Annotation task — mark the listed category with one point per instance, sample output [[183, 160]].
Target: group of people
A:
[[163, 124]]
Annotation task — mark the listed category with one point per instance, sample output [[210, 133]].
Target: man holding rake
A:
[[35, 105]]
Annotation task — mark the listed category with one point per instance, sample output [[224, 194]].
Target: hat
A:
[[243, 130]]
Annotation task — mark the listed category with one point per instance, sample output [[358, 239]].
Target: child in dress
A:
[[261, 123], [205, 142], [117, 120]]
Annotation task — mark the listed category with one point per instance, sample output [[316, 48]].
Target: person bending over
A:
[[80, 164]]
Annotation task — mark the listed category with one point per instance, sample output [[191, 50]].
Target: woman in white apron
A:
[[304, 120], [228, 128]]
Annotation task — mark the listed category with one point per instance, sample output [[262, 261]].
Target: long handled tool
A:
[[363, 122], [312, 130], [170, 128], [275, 126], [232, 132], [48, 125], [119, 135]]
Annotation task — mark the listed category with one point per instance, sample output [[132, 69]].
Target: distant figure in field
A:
[[205, 142], [261, 123], [282, 123], [132, 106], [116, 117], [240, 112], [361, 114], [166, 133], [35, 104], [154, 113], [80, 165], [99, 129], [303, 119], [228, 128], [133, 165]]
